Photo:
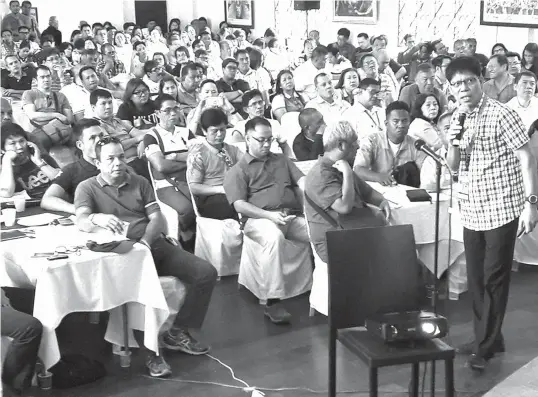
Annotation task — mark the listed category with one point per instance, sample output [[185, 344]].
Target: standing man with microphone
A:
[[497, 196]]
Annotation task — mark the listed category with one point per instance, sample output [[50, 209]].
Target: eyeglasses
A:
[[141, 92], [175, 109], [263, 141], [468, 82]]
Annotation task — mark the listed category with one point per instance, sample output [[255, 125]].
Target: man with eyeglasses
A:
[[110, 65], [50, 58], [97, 207], [153, 74], [265, 188], [166, 150], [254, 106], [366, 115], [60, 194], [497, 194]]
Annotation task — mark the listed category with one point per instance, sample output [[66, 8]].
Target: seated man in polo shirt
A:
[[334, 188], [308, 145], [130, 138], [231, 87], [131, 199], [331, 106], [187, 89], [48, 111], [50, 57], [24, 167], [166, 150], [207, 163], [61, 193], [381, 153], [14, 80], [424, 84], [254, 106], [264, 187], [79, 95]]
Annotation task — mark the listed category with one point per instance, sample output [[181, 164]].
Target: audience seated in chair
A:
[[137, 109], [79, 95], [49, 112], [338, 192], [187, 88], [130, 138], [424, 84], [14, 79], [97, 198], [24, 166], [60, 194], [286, 98], [308, 145], [366, 115], [307, 72], [207, 163], [166, 150], [525, 103], [254, 106], [329, 104], [265, 188], [425, 116], [21, 357], [380, 154], [232, 87]]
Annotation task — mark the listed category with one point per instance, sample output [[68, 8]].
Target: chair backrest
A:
[[372, 270], [290, 126]]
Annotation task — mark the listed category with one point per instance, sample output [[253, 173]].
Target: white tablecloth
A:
[[93, 281]]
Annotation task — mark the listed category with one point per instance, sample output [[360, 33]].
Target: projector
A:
[[407, 326]]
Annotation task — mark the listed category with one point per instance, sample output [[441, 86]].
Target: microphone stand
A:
[[434, 291]]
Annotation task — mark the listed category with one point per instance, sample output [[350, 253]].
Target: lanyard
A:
[[468, 151], [376, 123]]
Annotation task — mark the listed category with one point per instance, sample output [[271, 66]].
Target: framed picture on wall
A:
[[33, 12], [516, 13], [361, 11], [239, 13]]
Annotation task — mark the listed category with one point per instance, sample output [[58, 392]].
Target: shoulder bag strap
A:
[[56, 103], [324, 214]]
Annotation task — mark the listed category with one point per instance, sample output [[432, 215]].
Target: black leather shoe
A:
[[477, 362]]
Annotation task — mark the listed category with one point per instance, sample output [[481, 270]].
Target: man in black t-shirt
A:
[[14, 80], [232, 88], [23, 165], [60, 194]]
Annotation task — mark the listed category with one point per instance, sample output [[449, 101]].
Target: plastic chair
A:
[[170, 215], [219, 242], [319, 294], [290, 127]]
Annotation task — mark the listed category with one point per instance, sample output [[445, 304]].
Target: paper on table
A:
[[105, 236], [38, 220]]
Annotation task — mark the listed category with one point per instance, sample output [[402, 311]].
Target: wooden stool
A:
[[376, 354]]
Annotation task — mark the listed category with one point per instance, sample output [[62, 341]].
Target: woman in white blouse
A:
[[276, 59], [348, 85], [425, 114]]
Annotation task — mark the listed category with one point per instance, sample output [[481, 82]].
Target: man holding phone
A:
[[265, 188], [497, 195]]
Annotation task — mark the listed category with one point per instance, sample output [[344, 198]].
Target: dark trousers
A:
[[181, 202], [215, 207], [21, 357], [489, 256], [198, 275]]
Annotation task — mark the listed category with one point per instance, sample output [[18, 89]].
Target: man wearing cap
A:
[[232, 88], [125, 204]]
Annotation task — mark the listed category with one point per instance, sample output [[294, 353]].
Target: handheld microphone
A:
[[421, 145], [461, 122]]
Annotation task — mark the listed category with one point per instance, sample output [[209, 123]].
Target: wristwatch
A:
[[533, 199]]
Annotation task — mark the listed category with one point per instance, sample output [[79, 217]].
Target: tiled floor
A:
[[270, 356]]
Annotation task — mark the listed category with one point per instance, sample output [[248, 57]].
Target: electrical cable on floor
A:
[[256, 391]]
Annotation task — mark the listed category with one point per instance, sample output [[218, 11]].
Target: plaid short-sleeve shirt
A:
[[495, 182]]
